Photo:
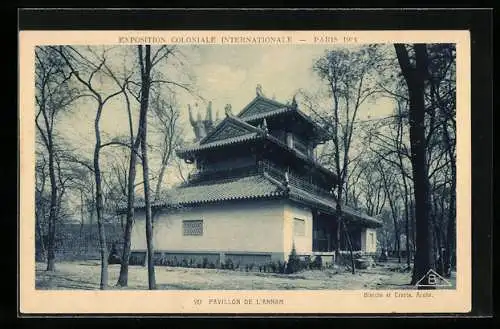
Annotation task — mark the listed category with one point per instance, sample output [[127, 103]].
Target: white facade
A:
[[268, 227], [244, 227], [303, 240]]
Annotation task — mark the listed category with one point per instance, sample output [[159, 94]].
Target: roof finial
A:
[[274, 97], [287, 182], [228, 110], [198, 114], [294, 102], [209, 112], [259, 91], [264, 125]]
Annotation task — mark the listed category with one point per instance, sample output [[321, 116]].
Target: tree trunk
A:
[[123, 278], [338, 212], [405, 186], [415, 78], [82, 220], [145, 89], [450, 227], [53, 209], [41, 239], [99, 204], [348, 240], [160, 178]]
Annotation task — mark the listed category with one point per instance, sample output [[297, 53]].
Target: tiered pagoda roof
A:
[[261, 181], [262, 185], [237, 129]]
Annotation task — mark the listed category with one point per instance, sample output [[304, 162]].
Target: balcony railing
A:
[[302, 182], [294, 179]]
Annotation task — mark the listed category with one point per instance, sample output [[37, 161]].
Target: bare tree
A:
[[167, 118], [85, 66], [145, 62], [348, 77], [40, 201], [142, 90], [53, 95], [390, 187], [416, 74]]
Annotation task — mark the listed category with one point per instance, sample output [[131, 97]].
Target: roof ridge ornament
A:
[[294, 102], [198, 114], [259, 91], [287, 182], [228, 110], [208, 116], [264, 125]]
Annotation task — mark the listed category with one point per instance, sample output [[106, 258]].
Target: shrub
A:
[[317, 264], [205, 262], [229, 264], [137, 258], [281, 267], [294, 263]]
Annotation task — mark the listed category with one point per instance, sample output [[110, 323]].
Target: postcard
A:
[[224, 172]]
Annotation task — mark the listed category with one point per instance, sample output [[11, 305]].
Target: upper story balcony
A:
[[303, 182]]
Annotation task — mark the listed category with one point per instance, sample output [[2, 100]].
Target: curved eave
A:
[[321, 134], [191, 151], [174, 205], [357, 217]]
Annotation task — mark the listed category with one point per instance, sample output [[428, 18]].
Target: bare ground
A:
[[84, 275]]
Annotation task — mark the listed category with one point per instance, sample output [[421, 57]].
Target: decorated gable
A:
[[227, 129], [260, 105]]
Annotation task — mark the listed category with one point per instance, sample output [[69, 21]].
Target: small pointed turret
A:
[[259, 91], [209, 124], [228, 110], [209, 112], [191, 119], [294, 102]]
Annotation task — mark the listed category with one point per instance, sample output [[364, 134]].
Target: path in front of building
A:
[[85, 275]]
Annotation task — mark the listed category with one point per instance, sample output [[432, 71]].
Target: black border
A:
[[479, 22]]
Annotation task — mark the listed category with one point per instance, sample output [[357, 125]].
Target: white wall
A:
[[303, 244], [244, 226], [366, 244]]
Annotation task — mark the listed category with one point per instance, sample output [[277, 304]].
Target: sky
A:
[[223, 74]]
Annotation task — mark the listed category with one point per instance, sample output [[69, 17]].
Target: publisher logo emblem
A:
[[433, 279]]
